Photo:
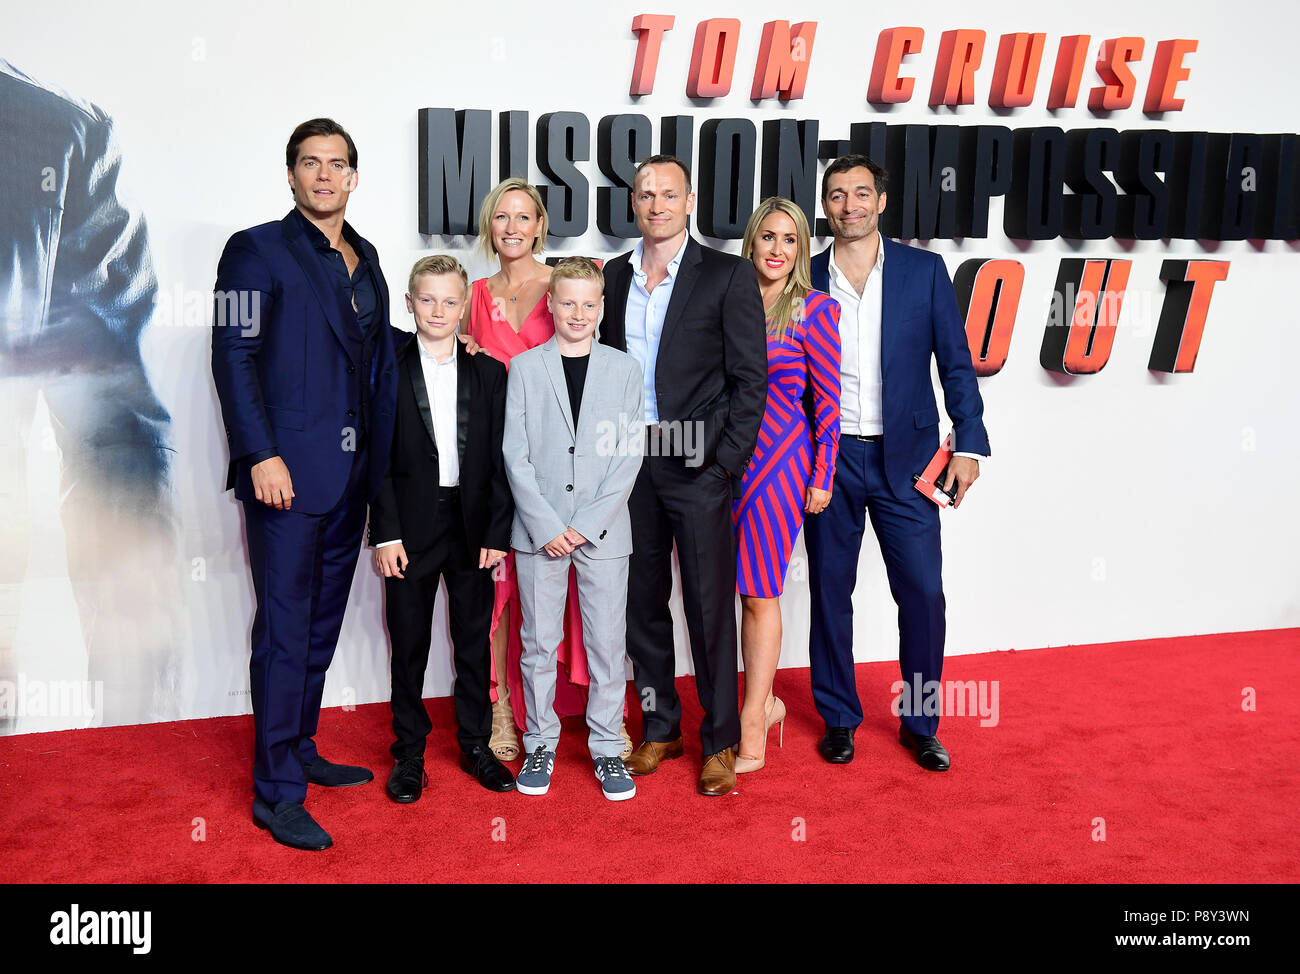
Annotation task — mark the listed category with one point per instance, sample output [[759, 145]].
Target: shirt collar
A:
[[639, 250], [428, 356], [321, 242], [838, 275]]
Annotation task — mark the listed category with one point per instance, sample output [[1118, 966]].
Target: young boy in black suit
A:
[[444, 509]]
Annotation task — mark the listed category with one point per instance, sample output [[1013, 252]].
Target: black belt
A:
[[875, 438]]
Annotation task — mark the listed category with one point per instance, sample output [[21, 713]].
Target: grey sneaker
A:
[[615, 783], [535, 776]]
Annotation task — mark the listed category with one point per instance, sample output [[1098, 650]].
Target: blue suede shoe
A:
[[290, 824], [331, 775]]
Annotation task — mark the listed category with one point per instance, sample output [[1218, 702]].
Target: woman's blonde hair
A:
[[789, 306], [493, 200]]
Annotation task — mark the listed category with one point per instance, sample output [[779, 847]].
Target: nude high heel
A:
[[775, 715]]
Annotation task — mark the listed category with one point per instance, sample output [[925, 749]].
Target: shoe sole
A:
[[716, 794], [342, 784], [532, 789], [289, 845], [917, 757], [470, 772], [618, 796], [404, 800], [662, 759]]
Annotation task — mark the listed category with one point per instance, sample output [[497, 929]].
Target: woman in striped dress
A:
[[793, 466]]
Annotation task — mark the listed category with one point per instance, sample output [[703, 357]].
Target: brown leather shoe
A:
[[718, 776], [645, 759]]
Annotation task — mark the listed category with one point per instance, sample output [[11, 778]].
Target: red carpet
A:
[[1149, 736]]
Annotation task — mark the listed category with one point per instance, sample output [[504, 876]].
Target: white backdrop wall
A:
[[1122, 505]]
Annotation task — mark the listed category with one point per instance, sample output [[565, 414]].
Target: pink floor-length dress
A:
[[489, 326]]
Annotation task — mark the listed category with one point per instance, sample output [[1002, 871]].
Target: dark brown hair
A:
[[317, 126], [857, 161]]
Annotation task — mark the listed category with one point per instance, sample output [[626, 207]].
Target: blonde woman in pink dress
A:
[[508, 315]]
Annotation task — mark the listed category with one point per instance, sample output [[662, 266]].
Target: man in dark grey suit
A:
[[693, 318]]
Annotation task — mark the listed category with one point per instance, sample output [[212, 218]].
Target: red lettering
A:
[[886, 87], [713, 59], [1166, 71], [1091, 293], [1070, 59], [783, 57], [1189, 287], [649, 30], [990, 301], [1118, 85], [1015, 73], [960, 53]]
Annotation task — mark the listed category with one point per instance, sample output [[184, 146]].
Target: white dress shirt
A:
[[861, 411], [861, 384], [644, 316], [440, 383]]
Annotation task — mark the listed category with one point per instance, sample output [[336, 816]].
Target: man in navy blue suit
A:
[[899, 313], [304, 366]]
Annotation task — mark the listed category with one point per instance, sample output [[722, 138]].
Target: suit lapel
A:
[[555, 371], [820, 271], [688, 273], [591, 404], [893, 286], [326, 294], [381, 286], [415, 372], [464, 378], [614, 326]]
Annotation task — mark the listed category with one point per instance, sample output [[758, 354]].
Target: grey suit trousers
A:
[[602, 597]]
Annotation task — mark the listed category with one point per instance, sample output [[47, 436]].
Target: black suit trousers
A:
[[691, 506], [408, 607]]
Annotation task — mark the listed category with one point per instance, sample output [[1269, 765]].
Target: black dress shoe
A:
[[491, 773], [331, 775], [837, 745], [290, 824], [407, 781], [929, 753]]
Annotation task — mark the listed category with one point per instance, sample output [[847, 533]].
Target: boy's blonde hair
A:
[[493, 200], [437, 264], [577, 269]]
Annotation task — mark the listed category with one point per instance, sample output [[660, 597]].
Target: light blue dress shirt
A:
[[644, 320]]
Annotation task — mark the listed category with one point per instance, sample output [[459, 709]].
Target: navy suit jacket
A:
[[919, 320], [289, 362]]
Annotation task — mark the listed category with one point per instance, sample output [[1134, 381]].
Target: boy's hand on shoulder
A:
[[488, 557], [391, 560], [559, 545], [573, 537]]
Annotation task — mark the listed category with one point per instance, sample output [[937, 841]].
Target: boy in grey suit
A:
[[572, 456]]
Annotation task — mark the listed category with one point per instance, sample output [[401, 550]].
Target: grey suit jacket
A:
[[562, 477]]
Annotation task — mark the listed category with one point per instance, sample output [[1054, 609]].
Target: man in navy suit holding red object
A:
[[899, 313], [304, 367]]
